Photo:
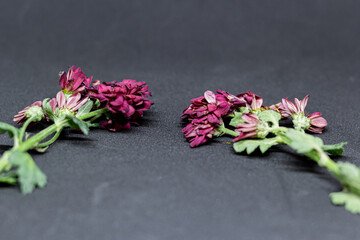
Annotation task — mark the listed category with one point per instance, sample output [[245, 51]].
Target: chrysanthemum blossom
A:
[[207, 106], [74, 80], [199, 131], [252, 127], [34, 110], [313, 122]]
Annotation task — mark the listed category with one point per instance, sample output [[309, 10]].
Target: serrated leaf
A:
[[251, 145], [85, 109], [236, 120], [28, 173], [350, 200], [47, 109], [270, 116], [76, 123], [335, 149], [302, 142], [12, 131]]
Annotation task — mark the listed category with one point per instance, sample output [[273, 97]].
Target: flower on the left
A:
[[79, 104]]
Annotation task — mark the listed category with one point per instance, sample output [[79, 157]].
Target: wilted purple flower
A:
[[207, 106], [199, 131], [74, 80], [136, 95], [21, 117], [129, 97], [127, 101], [249, 129], [313, 122], [233, 101]]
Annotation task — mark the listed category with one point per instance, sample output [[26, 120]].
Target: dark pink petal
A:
[[62, 80]]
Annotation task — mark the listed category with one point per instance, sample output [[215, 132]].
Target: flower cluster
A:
[[124, 101], [206, 115]]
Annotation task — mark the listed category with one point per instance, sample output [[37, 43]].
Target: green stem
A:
[[327, 162], [94, 118], [52, 140], [278, 129], [94, 113], [31, 142], [34, 140], [225, 130], [24, 127]]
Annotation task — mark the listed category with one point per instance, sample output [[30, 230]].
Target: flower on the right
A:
[[302, 121]]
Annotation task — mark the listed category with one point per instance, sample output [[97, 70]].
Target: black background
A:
[[147, 183]]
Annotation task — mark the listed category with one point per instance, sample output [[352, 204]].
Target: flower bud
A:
[[36, 113]]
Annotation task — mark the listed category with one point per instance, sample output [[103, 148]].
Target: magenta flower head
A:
[[252, 127], [129, 97], [126, 100], [233, 101], [74, 80], [137, 96], [34, 110], [313, 122], [207, 106], [199, 131], [253, 102]]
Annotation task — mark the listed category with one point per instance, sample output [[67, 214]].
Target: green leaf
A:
[[349, 176], [251, 145], [236, 120], [336, 149], [302, 142], [28, 173], [76, 123], [85, 109], [47, 109], [12, 131], [350, 200], [270, 116]]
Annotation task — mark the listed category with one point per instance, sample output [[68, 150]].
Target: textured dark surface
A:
[[147, 183]]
